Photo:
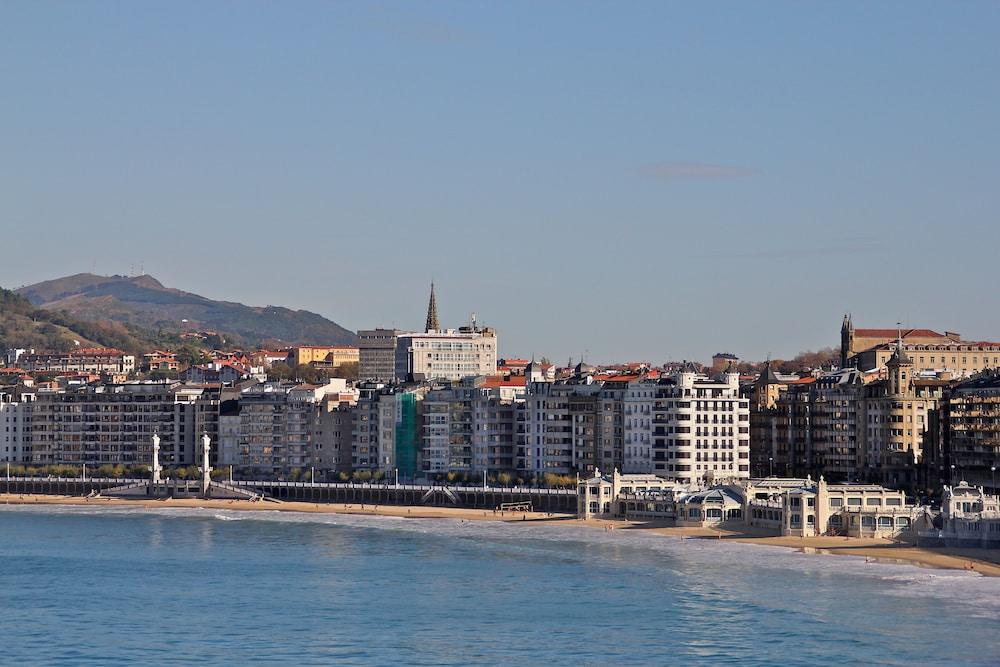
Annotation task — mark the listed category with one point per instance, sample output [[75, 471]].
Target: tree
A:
[[279, 370], [348, 371]]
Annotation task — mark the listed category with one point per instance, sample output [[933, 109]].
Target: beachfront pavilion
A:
[[711, 507], [804, 508], [601, 496]]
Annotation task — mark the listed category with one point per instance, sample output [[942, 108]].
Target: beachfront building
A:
[[804, 508], [701, 429], [777, 506], [472, 426], [15, 425], [719, 506], [892, 417], [616, 495], [272, 427], [807, 425], [387, 430], [969, 518], [638, 400], [113, 424], [562, 422], [964, 434]]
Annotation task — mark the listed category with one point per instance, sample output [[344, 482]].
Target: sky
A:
[[629, 181]]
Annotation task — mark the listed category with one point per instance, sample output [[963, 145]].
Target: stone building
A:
[[928, 350], [892, 417]]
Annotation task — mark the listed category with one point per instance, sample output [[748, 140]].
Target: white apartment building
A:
[[638, 401], [15, 425], [701, 429]]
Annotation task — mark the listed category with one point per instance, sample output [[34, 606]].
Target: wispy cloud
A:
[[677, 171], [418, 26]]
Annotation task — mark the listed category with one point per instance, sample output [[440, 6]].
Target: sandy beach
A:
[[984, 561]]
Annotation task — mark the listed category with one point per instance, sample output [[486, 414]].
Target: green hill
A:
[[144, 302], [24, 325]]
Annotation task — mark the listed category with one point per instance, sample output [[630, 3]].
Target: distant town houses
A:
[[909, 410], [96, 360]]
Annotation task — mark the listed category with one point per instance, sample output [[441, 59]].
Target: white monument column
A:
[[206, 471], [156, 459]]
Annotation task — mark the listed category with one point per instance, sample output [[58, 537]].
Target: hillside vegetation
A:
[[144, 302], [24, 325]]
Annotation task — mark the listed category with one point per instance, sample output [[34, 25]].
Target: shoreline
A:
[[985, 562]]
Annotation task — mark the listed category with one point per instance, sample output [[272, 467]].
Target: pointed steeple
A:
[[432, 313]]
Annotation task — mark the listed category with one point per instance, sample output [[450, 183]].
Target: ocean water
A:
[[207, 587]]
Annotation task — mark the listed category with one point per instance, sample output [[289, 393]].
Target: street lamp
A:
[[952, 478], [770, 462], [993, 476], [312, 474]]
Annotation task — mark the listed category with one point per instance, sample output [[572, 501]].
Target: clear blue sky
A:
[[640, 180]]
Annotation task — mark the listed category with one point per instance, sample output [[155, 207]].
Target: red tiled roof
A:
[[892, 333], [501, 381]]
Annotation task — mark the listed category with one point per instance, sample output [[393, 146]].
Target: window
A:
[[836, 502]]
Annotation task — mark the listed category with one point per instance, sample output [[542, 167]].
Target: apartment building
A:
[[473, 426], [84, 360], [561, 426], [387, 433], [963, 440], [274, 425], [15, 425], [701, 428], [114, 423], [325, 356], [892, 416]]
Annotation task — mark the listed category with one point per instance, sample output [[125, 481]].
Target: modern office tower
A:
[[377, 354]]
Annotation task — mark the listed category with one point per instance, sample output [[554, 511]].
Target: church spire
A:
[[432, 313]]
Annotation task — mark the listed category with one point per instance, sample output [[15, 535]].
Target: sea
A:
[[116, 586]]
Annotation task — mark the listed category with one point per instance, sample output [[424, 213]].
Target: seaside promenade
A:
[[415, 495]]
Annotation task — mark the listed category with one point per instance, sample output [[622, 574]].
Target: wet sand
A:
[[983, 561]]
